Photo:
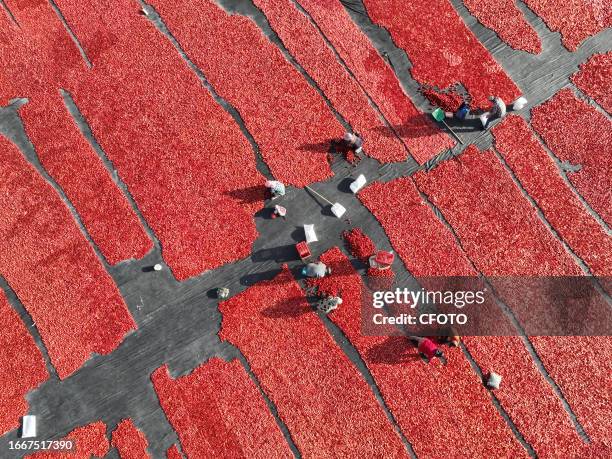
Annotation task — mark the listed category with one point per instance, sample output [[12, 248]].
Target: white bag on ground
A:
[[28, 426], [519, 103], [338, 210], [358, 184], [494, 380], [309, 231]]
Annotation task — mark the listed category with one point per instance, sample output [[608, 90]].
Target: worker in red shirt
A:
[[427, 348]]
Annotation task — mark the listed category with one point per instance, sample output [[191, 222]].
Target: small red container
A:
[[303, 250], [384, 259]]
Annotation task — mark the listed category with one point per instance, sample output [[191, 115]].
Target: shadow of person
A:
[[280, 254], [267, 213], [287, 308], [394, 350], [470, 124], [319, 147], [253, 278], [416, 127], [333, 146], [249, 194]]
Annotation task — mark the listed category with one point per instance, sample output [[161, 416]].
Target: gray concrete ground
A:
[[178, 322]]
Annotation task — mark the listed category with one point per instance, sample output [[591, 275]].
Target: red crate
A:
[[303, 250]]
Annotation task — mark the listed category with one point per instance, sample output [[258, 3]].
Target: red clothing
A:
[[428, 348]]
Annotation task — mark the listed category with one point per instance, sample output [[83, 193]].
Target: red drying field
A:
[[588, 145], [43, 58], [326, 404], [442, 49], [576, 20], [37, 61], [173, 453], [443, 411], [129, 441], [584, 378], [477, 181], [507, 21], [539, 175], [53, 270], [498, 228], [167, 137], [66, 155], [427, 248], [422, 137], [22, 367], [288, 119], [89, 441], [218, 408], [527, 397], [594, 78], [38, 56], [420, 239], [310, 49]]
